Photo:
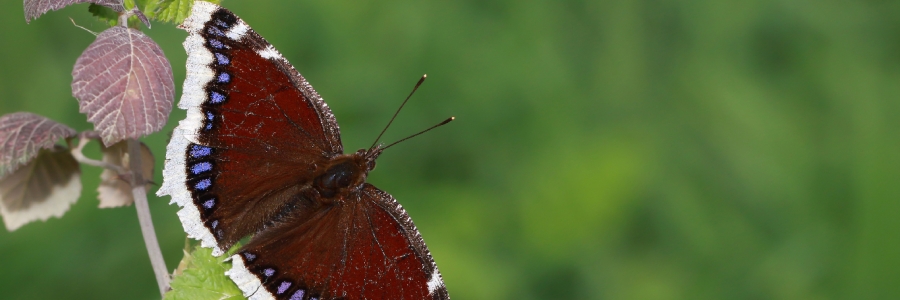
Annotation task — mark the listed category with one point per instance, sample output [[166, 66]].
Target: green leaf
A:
[[175, 10], [111, 16], [105, 14], [202, 276], [149, 7]]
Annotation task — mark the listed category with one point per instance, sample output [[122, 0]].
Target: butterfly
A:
[[260, 154]]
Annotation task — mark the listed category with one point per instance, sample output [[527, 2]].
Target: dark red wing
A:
[[256, 131], [362, 247]]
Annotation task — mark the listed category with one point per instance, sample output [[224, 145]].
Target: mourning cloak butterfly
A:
[[260, 153]]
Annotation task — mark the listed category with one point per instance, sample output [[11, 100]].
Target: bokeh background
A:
[[604, 149]]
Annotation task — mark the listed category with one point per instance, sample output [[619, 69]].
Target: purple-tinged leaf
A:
[[22, 134], [45, 187], [36, 8], [114, 190], [124, 84], [141, 16]]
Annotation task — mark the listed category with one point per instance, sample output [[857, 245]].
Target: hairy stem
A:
[[143, 210]]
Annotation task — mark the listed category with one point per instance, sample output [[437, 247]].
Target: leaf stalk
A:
[[143, 210]]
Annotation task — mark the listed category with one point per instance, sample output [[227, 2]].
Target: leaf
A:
[[203, 277], [45, 187], [22, 134], [105, 14], [115, 191], [149, 7], [111, 16], [124, 84], [36, 8], [140, 16], [176, 10]]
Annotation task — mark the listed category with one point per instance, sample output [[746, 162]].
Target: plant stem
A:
[[143, 210], [79, 157]]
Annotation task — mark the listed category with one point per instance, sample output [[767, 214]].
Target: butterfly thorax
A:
[[346, 173]]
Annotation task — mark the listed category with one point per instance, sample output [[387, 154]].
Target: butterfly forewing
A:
[[256, 130], [268, 139]]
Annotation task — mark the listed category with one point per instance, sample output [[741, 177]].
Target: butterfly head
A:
[[370, 156]]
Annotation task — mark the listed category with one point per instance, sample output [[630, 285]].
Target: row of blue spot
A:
[[222, 59], [216, 97], [214, 31], [222, 24], [198, 151], [217, 32], [298, 295], [201, 167], [223, 77], [208, 204], [203, 184], [283, 286], [209, 120], [216, 44]]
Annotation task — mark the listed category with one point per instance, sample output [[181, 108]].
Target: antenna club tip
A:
[[424, 75]]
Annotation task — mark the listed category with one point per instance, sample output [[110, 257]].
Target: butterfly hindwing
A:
[[364, 248]]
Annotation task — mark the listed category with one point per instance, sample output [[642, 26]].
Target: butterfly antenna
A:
[[423, 131], [398, 111]]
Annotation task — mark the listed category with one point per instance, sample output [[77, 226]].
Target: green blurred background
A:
[[653, 149]]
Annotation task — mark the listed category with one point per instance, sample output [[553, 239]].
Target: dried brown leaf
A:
[[123, 82], [114, 190], [45, 187], [23, 134], [36, 8]]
